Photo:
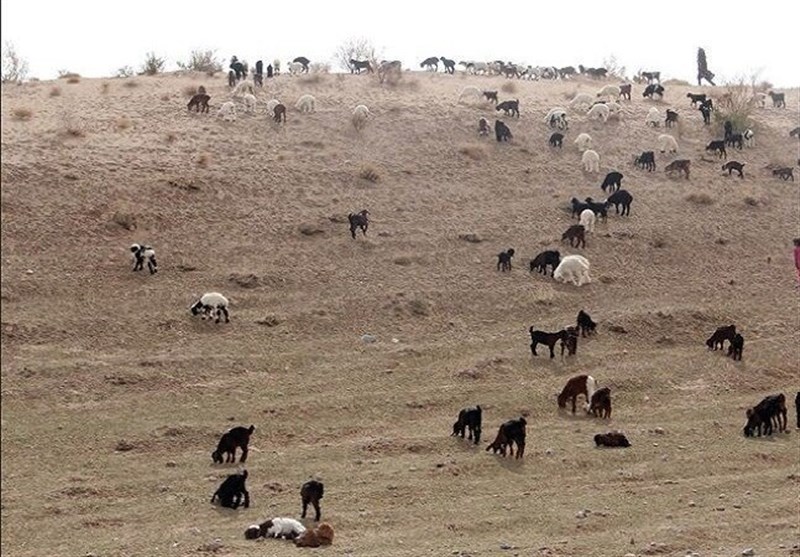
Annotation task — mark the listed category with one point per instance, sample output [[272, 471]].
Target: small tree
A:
[[356, 48], [202, 61], [613, 66], [124, 71], [736, 104], [15, 68], [153, 64]]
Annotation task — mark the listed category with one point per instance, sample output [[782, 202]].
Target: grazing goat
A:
[[612, 91], [734, 140], [706, 112], [612, 181], [653, 117], [625, 91], [587, 219], [231, 491], [599, 112], [279, 113], [600, 208], [585, 324], [303, 61], [311, 493], [570, 342], [449, 65], [600, 404], [358, 220], [556, 140], [736, 347], [227, 111], [512, 431], [509, 108], [579, 385], [469, 421], [718, 146], [545, 258], [583, 141], [239, 69], [306, 103], [286, 528], [621, 197], [778, 99], [591, 161], [576, 235], [649, 77], [549, 339], [749, 137], [785, 173], [491, 96], [653, 89], [483, 127], [574, 268], [671, 119], [795, 132], [315, 537], [667, 143], [357, 65], [720, 336], [360, 116], [761, 417], [730, 166], [681, 166], [199, 102], [501, 131], [696, 98], [646, 161], [611, 439], [211, 304], [504, 260], [430, 64], [141, 253], [230, 440]]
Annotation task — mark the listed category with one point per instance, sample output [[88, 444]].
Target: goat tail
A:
[[530, 330]]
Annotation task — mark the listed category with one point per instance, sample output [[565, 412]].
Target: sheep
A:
[[199, 102], [449, 65], [696, 98], [591, 161], [504, 260], [484, 128], [720, 336], [574, 268], [584, 141], [653, 89], [295, 68], [611, 439], [235, 437], [736, 347], [141, 253], [357, 65], [242, 88], [227, 111], [598, 111], [509, 107], [612, 91], [249, 102], [358, 220], [785, 173], [556, 140], [279, 527], [621, 197], [579, 385], [311, 493], [491, 96], [671, 119], [646, 161], [360, 116], [585, 324], [576, 234], [510, 432], [730, 166], [470, 93], [587, 220], [771, 408], [648, 76], [545, 258], [430, 64], [625, 91], [667, 143], [231, 491], [469, 421], [581, 99], [612, 181], [306, 103], [600, 404], [303, 61], [718, 146], [557, 118], [315, 537], [614, 109], [279, 113], [749, 137], [209, 304], [681, 166], [778, 99], [548, 339], [501, 131], [653, 117]]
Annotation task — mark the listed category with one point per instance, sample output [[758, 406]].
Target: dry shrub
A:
[[369, 172], [73, 127], [131, 83], [171, 137], [700, 199], [189, 91], [203, 160], [55, 92], [165, 97], [509, 87], [476, 152], [125, 219], [73, 80], [123, 123], [23, 114], [104, 87], [677, 82], [736, 104]]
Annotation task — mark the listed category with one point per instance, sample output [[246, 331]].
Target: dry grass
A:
[[700, 198], [475, 151], [313, 79], [165, 97], [73, 80], [22, 114], [170, 137], [509, 87], [55, 91], [369, 172], [203, 160], [123, 123]]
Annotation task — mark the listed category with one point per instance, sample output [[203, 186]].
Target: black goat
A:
[[545, 258], [483, 127], [510, 108], [358, 220], [231, 78], [735, 140], [501, 131], [512, 431], [469, 421], [611, 439], [761, 417], [239, 69], [504, 260], [612, 181], [646, 161], [491, 96], [621, 197], [696, 98], [736, 347], [778, 99], [431, 63], [311, 493], [570, 342], [556, 140], [231, 491], [303, 61], [576, 234], [199, 102], [600, 404], [142, 253], [585, 324], [600, 208], [718, 146], [706, 112], [720, 336], [671, 119], [357, 65], [730, 166], [230, 440], [449, 65], [785, 173], [549, 339], [653, 89]]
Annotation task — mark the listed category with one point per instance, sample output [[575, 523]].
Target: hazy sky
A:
[[96, 38]]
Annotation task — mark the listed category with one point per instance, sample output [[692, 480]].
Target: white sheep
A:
[[241, 88], [360, 115], [583, 141], [598, 111], [587, 220], [478, 67], [667, 143], [306, 103], [591, 161], [573, 268], [609, 91], [227, 111], [653, 117], [271, 104], [614, 108], [471, 93], [295, 68], [288, 528], [211, 304], [581, 99], [249, 102]]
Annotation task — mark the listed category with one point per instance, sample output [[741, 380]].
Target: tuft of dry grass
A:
[[189, 91], [165, 97], [509, 87], [700, 199], [123, 123], [203, 160], [751, 201], [369, 172], [55, 91], [73, 128], [476, 151], [171, 137], [73, 80], [104, 87], [125, 219], [22, 114], [131, 83]]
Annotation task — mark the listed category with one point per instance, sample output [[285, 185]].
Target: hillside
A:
[[97, 358]]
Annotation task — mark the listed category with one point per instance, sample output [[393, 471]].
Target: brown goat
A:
[[579, 385], [315, 537], [576, 233], [512, 431], [279, 112], [679, 166], [600, 404], [230, 440], [199, 102]]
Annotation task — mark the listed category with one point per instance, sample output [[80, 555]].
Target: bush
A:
[[73, 80], [23, 114], [124, 71], [700, 198], [356, 48], [123, 123], [15, 68], [202, 61], [55, 92], [369, 172], [736, 104], [153, 64], [614, 68]]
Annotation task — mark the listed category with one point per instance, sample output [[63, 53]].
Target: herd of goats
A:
[[767, 416]]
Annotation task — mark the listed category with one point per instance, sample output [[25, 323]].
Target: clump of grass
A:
[[751, 201], [475, 152], [55, 91], [123, 123], [509, 87], [22, 114], [73, 80], [124, 219], [369, 172], [700, 199], [104, 87], [313, 79], [736, 104], [73, 128], [189, 91], [171, 137], [203, 160], [165, 97], [658, 242], [131, 83]]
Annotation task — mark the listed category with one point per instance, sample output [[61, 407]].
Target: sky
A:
[[95, 39]]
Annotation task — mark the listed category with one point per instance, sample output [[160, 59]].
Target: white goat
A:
[[288, 528], [749, 137], [227, 111], [583, 141], [581, 99], [667, 143], [591, 161], [306, 103], [653, 117], [360, 116], [609, 91], [598, 111], [587, 220], [241, 88], [573, 268], [249, 102], [295, 68]]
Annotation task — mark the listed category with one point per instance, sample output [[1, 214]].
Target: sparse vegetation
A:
[[125, 219], [369, 172], [153, 64], [22, 114], [737, 104], [202, 61], [189, 91], [15, 68], [611, 63], [171, 137], [72, 127], [476, 152], [700, 198], [104, 87], [130, 83], [203, 160], [123, 123], [55, 91], [356, 48]]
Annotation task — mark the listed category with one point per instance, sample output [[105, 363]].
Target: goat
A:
[[230, 440], [199, 102], [579, 385], [600, 208], [771, 408], [141, 253], [585, 324], [430, 64], [736, 347], [469, 421], [611, 439], [778, 99], [231, 78], [501, 131], [749, 137], [600, 404], [576, 235], [590, 160], [730, 166], [358, 220], [671, 119], [718, 146], [612, 181], [303, 61], [785, 173], [491, 96], [680, 166], [512, 431], [279, 527], [549, 339], [231, 491], [556, 140], [653, 89], [587, 220], [315, 537], [449, 65], [279, 113], [574, 268], [646, 161], [570, 342], [625, 91], [360, 116], [667, 143], [311, 493], [621, 197], [706, 112], [504, 260], [696, 98], [239, 69], [210, 304], [357, 65], [720, 336], [649, 77], [545, 258], [483, 127], [510, 108]]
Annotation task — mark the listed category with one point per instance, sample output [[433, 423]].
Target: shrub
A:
[[189, 91], [165, 97], [203, 160], [124, 219], [171, 137], [15, 68], [55, 91], [357, 48], [509, 87], [23, 114], [475, 152], [369, 172], [613, 66], [202, 61], [736, 104], [124, 71], [73, 127], [153, 64], [130, 83], [73, 80]]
